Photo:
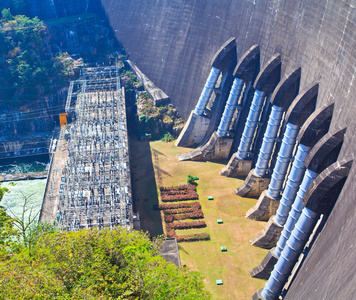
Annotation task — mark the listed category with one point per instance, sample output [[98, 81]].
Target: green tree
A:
[[7, 230], [167, 137], [191, 179], [19, 7], [97, 264], [20, 231], [28, 229], [28, 69]]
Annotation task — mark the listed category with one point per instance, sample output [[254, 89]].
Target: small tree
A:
[[7, 230], [167, 137], [26, 219], [28, 229], [191, 179]]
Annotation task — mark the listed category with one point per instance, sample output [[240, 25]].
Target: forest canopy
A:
[[28, 69], [97, 264]]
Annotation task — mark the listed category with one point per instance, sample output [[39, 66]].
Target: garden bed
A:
[[174, 213], [179, 193]]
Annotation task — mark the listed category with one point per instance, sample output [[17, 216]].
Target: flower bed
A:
[[171, 233], [178, 188], [182, 211], [193, 237], [179, 210], [186, 225], [168, 218], [179, 193], [179, 197], [176, 205], [194, 215]]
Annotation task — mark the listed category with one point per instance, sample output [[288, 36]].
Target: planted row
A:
[[178, 187], [181, 197], [171, 233], [176, 205], [193, 215], [186, 225], [179, 210], [180, 192], [193, 237]]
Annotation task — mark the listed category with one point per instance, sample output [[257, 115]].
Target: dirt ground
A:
[[235, 232]]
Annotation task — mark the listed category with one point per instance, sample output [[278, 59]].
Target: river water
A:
[[33, 190], [24, 165]]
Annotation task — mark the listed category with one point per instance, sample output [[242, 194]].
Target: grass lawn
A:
[[235, 232]]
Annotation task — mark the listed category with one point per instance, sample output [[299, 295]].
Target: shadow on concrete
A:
[[144, 187]]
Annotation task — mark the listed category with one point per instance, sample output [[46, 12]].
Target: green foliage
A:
[[7, 230], [191, 179], [21, 231], [97, 264], [6, 15], [28, 69], [168, 137], [17, 7], [38, 230], [156, 120]]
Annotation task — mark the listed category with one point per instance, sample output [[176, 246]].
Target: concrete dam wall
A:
[[173, 43]]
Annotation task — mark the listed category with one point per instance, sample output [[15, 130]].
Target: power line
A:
[[32, 111], [37, 117]]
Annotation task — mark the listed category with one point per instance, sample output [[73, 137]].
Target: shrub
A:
[[168, 218], [186, 225], [193, 215], [193, 237], [179, 197], [191, 179], [176, 205], [170, 232], [168, 137], [178, 187], [97, 264], [179, 193], [178, 210]]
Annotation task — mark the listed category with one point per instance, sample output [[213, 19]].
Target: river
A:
[[31, 189]]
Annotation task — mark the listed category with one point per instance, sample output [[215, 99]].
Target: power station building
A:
[[95, 189]]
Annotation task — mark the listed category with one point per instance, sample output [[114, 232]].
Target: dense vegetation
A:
[[28, 69], [88, 264], [159, 121], [96, 264], [17, 7]]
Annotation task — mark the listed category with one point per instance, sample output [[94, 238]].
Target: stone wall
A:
[[173, 41]]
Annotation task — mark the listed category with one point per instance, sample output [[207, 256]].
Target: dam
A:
[[307, 50], [270, 85]]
